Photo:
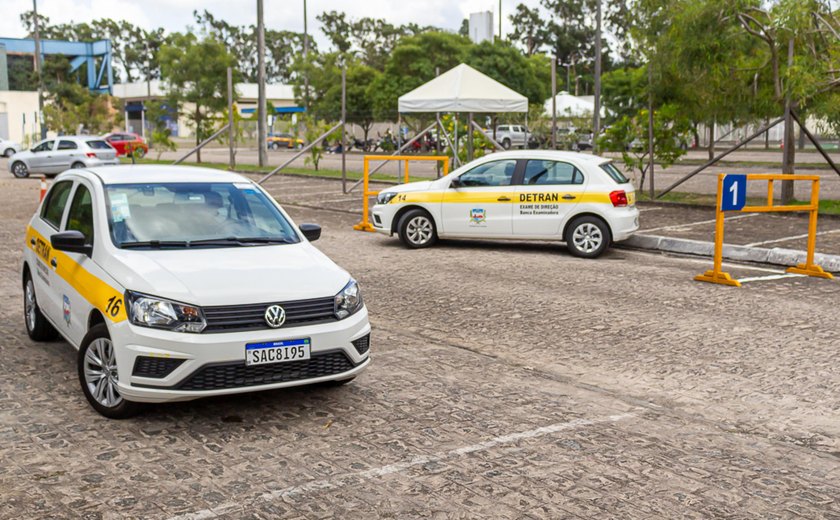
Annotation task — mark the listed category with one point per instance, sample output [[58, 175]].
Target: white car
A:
[[581, 199], [8, 148], [53, 156], [176, 283]]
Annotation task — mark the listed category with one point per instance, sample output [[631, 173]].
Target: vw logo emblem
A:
[[275, 316]]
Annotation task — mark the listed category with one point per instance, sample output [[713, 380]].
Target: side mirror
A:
[[455, 183], [312, 232], [71, 242]]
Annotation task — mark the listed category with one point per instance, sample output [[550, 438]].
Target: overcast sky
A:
[[175, 15]]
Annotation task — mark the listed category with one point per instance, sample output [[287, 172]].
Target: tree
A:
[[72, 109], [195, 73], [504, 63], [359, 102], [526, 28]]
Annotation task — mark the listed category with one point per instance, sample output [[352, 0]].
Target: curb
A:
[[774, 256]]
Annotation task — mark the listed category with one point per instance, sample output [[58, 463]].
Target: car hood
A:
[[230, 276], [411, 186]]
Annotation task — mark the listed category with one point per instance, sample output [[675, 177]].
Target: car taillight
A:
[[91, 155], [618, 198]]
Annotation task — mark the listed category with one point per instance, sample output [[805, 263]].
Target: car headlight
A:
[[385, 197], [348, 300], [158, 313]]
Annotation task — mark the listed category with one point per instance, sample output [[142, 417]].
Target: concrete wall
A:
[[18, 105]]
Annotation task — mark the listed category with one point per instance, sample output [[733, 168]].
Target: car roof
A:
[[554, 155], [77, 137], [156, 173]]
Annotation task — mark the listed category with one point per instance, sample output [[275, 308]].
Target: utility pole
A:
[[38, 66], [261, 104], [596, 123], [500, 23], [344, 127], [231, 132], [651, 144], [554, 102], [788, 155], [305, 60]]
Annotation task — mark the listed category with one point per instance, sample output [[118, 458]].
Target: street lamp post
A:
[[261, 103]]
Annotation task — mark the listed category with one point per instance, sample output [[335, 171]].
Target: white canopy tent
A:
[[568, 105], [462, 89]]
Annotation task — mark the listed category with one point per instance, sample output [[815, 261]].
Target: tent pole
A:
[[455, 150], [437, 140], [526, 132], [399, 139], [469, 137], [554, 102]]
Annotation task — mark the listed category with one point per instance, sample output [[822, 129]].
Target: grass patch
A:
[[289, 170]]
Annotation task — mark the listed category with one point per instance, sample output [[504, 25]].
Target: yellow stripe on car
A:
[[108, 300], [515, 197]]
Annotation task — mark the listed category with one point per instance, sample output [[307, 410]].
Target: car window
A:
[[54, 204], [80, 216], [98, 145], [44, 147], [67, 145], [185, 212], [496, 173], [614, 173], [540, 172]]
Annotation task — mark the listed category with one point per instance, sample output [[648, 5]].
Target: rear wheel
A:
[[506, 143], [588, 237], [98, 375], [417, 229], [77, 165], [20, 170], [37, 326], [9, 152], [274, 146]]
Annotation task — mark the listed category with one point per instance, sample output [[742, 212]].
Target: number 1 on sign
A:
[[734, 191]]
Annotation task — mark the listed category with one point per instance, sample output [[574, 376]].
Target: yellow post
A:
[[809, 268], [716, 275], [770, 193], [364, 225], [406, 172]]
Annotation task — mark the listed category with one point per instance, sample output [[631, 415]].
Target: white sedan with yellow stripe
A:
[[176, 283], [581, 199]]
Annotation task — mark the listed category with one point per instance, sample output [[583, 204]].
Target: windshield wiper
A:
[[241, 241], [157, 244]]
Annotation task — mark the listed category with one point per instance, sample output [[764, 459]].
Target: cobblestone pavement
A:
[[509, 381]]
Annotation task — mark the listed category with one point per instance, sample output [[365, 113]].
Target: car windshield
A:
[[179, 215], [614, 173]]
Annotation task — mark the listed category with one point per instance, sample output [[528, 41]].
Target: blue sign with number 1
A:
[[734, 196]]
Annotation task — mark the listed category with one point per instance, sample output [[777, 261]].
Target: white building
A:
[[19, 116], [481, 27]]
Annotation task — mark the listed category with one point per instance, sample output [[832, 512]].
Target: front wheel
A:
[[506, 143], [588, 237], [37, 326], [98, 375], [417, 229], [20, 170], [77, 165], [9, 152]]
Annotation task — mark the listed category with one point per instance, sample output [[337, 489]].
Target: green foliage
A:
[[629, 135], [72, 108], [481, 145], [623, 91], [504, 63], [313, 129], [195, 73]]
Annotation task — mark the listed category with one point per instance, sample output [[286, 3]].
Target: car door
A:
[[546, 196], [77, 267], [118, 142], [47, 223], [41, 157], [481, 204], [518, 135], [65, 154]]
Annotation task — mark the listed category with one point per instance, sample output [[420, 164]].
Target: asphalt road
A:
[[508, 380]]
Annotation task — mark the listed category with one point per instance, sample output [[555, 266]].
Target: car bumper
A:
[[214, 364], [625, 223], [381, 216], [92, 163]]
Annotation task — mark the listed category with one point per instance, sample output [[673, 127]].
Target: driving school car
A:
[[581, 199], [176, 283]]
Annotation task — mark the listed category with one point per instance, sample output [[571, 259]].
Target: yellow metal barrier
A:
[[716, 275], [364, 225]]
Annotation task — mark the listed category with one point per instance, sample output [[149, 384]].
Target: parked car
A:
[[53, 156], [511, 136], [277, 141], [125, 142], [175, 283], [9, 148], [580, 199]]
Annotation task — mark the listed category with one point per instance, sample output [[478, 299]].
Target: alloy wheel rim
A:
[[101, 375], [419, 230], [29, 305], [20, 169], [587, 237]]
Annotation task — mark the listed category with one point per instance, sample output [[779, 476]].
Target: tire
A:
[[20, 170], [588, 237], [274, 146], [417, 229], [77, 166], [506, 143], [98, 375], [37, 326], [9, 152]]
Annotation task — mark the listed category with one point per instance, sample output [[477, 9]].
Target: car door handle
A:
[[569, 196], [53, 263], [503, 199]]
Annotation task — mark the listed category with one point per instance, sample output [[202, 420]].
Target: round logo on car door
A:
[[275, 316]]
